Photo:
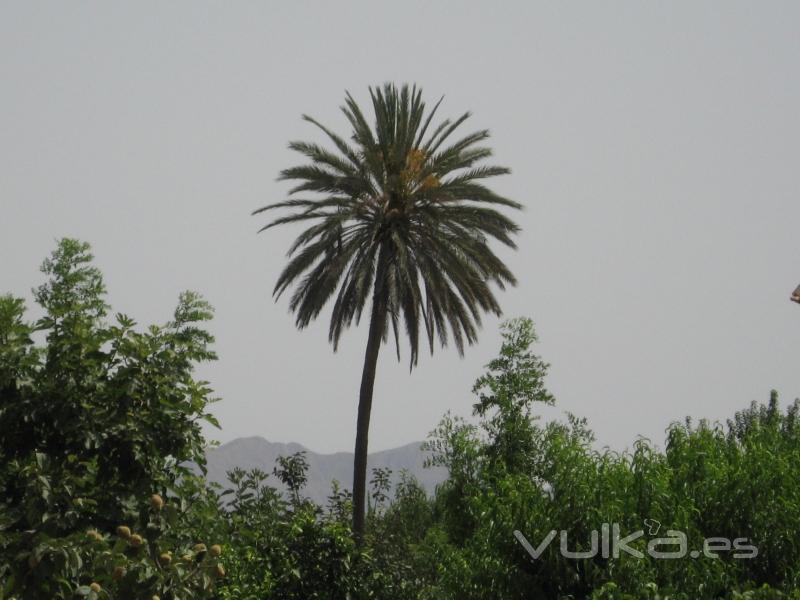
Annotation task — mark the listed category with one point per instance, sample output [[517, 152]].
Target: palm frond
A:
[[401, 190]]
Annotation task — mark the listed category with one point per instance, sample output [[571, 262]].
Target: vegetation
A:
[[400, 214], [96, 426], [99, 422]]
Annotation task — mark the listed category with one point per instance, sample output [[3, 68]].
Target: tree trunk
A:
[[377, 326]]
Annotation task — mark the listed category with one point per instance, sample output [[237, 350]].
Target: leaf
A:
[[211, 419]]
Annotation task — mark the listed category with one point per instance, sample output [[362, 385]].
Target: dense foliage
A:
[[95, 426], [99, 421], [737, 482]]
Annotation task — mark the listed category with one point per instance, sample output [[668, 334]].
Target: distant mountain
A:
[[256, 452]]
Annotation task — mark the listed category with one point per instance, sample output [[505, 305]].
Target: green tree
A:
[[400, 212], [512, 383], [96, 426], [292, 472]]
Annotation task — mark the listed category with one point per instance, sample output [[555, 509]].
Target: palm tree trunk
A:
[[377, 325]]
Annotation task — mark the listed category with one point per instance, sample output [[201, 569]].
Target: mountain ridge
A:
[[256, 452]]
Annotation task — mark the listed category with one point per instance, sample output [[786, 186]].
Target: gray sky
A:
[[654, 146]]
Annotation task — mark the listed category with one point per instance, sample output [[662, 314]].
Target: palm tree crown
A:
[[401, 211]]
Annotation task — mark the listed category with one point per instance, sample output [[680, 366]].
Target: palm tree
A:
[[399, 212]]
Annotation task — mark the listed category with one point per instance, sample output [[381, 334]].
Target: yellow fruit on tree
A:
[[216, 550], [165, 558], [431, 181], [119, 573], [124, 532], [95, 587], [136, 540], [156, 502], [94, 535], [219, 570]]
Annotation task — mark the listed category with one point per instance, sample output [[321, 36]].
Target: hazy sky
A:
[[654, 146]]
